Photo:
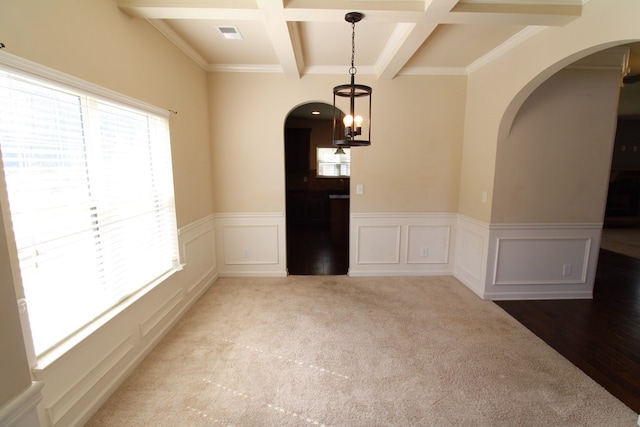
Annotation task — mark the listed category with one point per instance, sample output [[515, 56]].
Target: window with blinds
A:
[[332, 164], [90, 192]]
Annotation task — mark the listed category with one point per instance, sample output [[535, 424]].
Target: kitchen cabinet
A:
[[339, 217], [297, 143], [308, 207]]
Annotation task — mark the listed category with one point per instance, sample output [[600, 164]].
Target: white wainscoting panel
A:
[[542, 261], [198, 250], [378, 244], [401, 244], [79, 380], [251, 244], [157, 316], [70, 399], [471, 247], [428, 244]]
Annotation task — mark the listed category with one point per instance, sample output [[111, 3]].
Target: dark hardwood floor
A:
[[311, 251], [600, 336]]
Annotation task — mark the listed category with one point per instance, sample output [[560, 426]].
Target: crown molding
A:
[[244, 68], [511, 43], [174, 38]]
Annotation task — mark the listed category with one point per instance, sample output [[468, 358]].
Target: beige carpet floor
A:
[[342, 351]]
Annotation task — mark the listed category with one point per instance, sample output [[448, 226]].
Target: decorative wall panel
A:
[[471, 253], [378, 244], [251, 244], [198, 248], [428, 244], [541, 261], [401, 244]]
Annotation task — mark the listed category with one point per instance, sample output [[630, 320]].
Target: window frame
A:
[[318, 162], [13, 64]]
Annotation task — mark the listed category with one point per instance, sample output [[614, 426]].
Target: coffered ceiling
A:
[[298, 37]]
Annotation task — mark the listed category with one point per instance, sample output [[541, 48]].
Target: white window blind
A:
[[91, 198], [332, 164]]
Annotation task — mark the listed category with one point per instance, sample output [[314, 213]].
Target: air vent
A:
[[230, 33]]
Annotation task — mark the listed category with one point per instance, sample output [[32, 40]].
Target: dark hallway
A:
[[312, 251]]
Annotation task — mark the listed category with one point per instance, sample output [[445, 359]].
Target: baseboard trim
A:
[[21, 411], [522, 296], [392, 273], [253, 273]]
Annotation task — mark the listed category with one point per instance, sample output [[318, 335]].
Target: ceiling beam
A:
[[508, 13], [518, 14], [406, 40], [283, 35]]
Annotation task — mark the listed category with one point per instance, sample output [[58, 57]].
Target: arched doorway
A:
[[317, 193], [584, 130]]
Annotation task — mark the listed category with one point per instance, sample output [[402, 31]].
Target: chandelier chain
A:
[[353, 70]]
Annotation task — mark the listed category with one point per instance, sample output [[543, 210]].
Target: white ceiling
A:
[[299, 37]]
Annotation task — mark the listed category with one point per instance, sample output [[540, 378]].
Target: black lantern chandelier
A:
[[354, 128]]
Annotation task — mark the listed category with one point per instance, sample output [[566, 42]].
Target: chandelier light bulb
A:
[[348, 120], [358, 121]]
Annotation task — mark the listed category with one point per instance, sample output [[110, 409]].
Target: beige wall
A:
[[94, 41], [554, 165], [412, 165]]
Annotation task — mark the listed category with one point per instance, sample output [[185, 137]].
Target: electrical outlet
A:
[[424, 252], [245, 253], [567, 269]]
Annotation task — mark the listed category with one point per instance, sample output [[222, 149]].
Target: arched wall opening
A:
[[555, 143], [316, 192], [552, 166], [526, 241], [521, 96], [496, 87]]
